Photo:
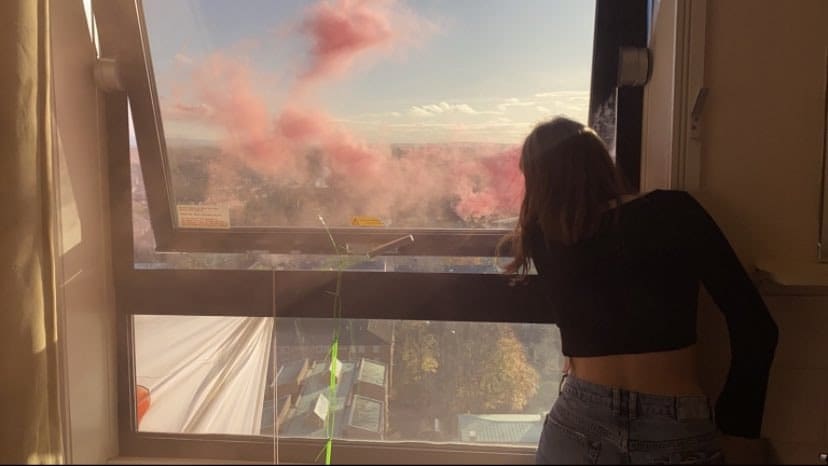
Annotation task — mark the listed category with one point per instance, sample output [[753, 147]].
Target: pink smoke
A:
[[485, 184], [342, 30], [490, 186], [225, 85], [348, 156]]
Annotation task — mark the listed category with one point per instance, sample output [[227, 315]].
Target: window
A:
[[429, 381], [253, 121], [258, 133]]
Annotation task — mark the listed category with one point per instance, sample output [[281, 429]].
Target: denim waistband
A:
[[635, 404]]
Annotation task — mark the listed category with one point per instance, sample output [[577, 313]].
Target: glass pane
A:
[[147, 257], [405, 114], [455, 382]]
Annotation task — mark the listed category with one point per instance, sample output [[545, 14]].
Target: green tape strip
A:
[[334, 351], [332, 404]]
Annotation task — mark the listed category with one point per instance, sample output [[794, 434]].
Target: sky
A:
[[402, 72]]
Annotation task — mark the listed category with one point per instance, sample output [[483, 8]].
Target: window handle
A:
[[823, 457], [398, 243]]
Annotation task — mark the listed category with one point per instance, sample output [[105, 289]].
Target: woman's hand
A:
[[742, 450]]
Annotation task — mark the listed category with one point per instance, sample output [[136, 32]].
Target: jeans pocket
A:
[[561, 444], [688, 457], [702, 449]]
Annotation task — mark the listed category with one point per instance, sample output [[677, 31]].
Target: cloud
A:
[[571, 103], [420, 112], [514, 102], [442, 108], [562, 94], [485, 126], [183, 59]]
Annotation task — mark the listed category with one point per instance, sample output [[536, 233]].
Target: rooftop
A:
[[500, 428]]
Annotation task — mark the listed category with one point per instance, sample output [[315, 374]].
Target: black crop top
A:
[[633, 288]]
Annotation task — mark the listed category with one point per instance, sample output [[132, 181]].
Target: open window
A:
[[341, 130], [381, 121]]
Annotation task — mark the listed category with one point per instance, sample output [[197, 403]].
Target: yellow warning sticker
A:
[[366, 221]]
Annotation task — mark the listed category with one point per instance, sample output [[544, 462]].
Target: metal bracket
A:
[[107, 75], [695, 114]]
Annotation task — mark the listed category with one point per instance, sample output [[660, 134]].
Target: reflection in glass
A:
[[454, 382]]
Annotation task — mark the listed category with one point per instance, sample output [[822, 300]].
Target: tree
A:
[[450, 368], [417, 355], [493, 373]]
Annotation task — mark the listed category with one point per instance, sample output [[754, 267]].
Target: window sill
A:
[[788, 278], [153, 460]]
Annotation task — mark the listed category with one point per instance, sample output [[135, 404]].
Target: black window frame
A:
[[270, 293], [131, 47]]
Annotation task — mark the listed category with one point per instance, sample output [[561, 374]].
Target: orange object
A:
[[142, 401], [366, 221]]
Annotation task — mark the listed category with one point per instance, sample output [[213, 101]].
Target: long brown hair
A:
[[570, 181]]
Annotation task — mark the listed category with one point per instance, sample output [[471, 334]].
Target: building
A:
[[359, 400], [509, 429]]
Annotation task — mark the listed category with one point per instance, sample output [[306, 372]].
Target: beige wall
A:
[[761, 162], [85, 278], [763, 123]]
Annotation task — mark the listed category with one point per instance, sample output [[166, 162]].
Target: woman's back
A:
[[622, 283], [625, 301], [630, 288]]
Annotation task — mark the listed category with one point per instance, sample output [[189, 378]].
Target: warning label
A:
[[203, 216], [366, 221]]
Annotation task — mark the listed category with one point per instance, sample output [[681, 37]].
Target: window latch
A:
[[393, 246]]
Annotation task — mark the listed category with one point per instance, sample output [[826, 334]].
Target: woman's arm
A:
[[753, 333], [741, 450]]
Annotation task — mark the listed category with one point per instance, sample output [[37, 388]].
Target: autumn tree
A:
[[416, 364], [491, 371], [450, 368]]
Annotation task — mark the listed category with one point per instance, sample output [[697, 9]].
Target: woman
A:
[[621, 275]]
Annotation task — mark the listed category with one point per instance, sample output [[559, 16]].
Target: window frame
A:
[[135, 62], [822, 245], [416, 296]]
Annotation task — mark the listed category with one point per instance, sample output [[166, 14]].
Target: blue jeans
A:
[[595, 424]]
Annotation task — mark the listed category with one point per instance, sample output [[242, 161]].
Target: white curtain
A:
[[205, 374]]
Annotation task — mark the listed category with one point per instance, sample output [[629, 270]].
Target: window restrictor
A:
[[391, 247]]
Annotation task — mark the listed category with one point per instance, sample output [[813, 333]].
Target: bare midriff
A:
[[671, 373]]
